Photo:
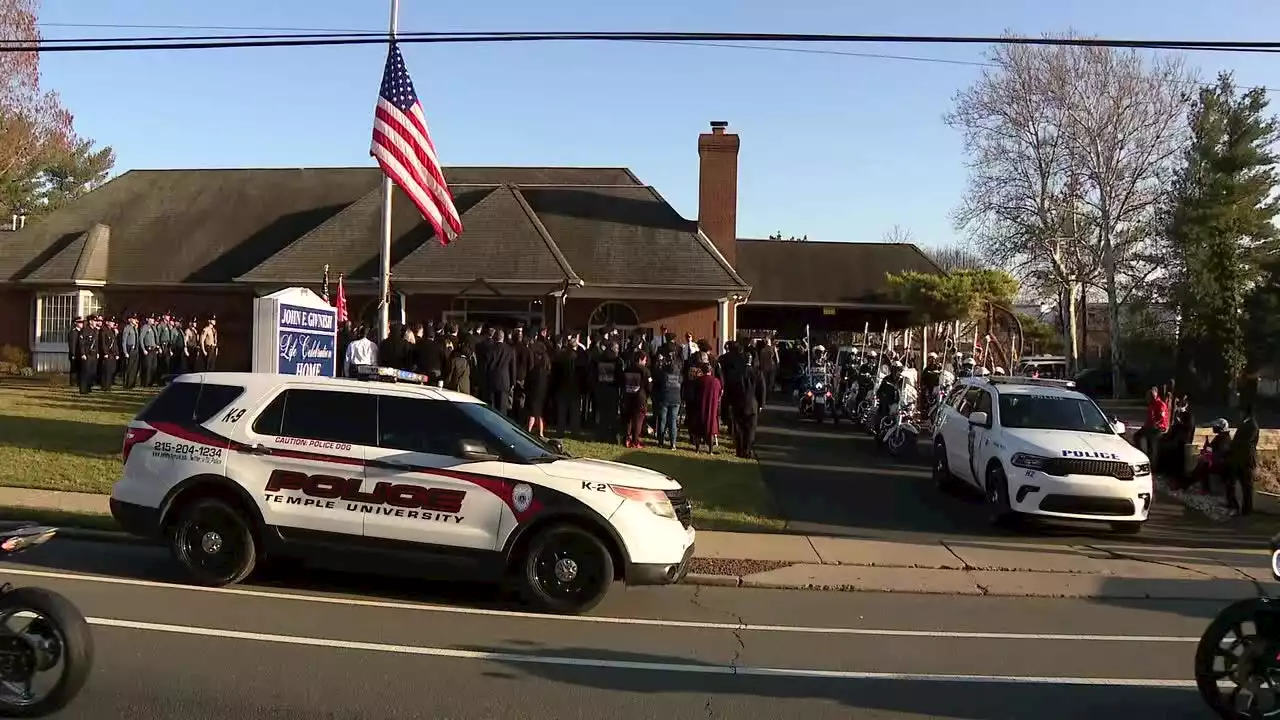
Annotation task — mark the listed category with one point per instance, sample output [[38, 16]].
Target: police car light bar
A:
[[386, 374], [1043, 382]]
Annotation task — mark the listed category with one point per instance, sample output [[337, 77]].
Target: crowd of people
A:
[[1170, 427], [620, 387], [140, 352]]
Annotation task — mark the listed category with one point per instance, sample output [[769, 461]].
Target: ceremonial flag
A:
[[403, 148]]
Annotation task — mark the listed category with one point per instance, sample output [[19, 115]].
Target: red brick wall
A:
[[233, 308], [718, 190], [17, 317]]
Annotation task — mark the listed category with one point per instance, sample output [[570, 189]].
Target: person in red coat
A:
[[704, 421]]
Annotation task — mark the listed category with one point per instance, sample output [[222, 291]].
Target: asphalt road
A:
[[830, 480], [320, 645]]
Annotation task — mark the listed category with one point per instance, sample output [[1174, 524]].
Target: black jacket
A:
[[500, 366], [1244, 446]]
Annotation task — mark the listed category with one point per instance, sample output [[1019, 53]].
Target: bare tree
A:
[[955, 257], [898, 234], [1124, 123], [1021, 202]]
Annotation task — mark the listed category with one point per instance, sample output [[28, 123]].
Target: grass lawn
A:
[[52, 438]]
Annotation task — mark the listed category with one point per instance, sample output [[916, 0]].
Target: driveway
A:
[[830, 480]]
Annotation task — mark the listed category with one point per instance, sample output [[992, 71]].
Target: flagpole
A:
[[384, 255]]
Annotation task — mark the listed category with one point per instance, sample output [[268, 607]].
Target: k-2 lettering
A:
[[598, 487]]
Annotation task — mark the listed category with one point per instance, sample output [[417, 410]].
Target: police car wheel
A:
[[567, 570], [213, 543], [1002, 512], [942, 468]]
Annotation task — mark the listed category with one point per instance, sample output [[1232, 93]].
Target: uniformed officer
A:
[[150, 344], [209, 344], [88, 346], [108, 353], [73, 350], [130, 351]]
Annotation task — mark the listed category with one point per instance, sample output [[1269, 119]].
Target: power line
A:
[[333, 33], [284, 40]]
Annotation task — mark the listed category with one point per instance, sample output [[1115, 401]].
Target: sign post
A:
[[295, 332]]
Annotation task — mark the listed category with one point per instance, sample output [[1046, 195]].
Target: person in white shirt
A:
[[361, 351]]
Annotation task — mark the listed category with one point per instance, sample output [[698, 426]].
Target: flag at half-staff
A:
[[403, 148]]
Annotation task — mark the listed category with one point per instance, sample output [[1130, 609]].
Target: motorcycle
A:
[[815, 398], [1245, 636], [898, 433], [42, 636]]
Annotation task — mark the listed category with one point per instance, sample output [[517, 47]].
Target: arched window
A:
[[613, 313]]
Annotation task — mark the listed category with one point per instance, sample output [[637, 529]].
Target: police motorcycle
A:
[[1237, 662], [46, 648], [901, 430], [894, 402], [846, 399], [815, 392]]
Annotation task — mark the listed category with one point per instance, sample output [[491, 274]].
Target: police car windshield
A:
[[1052, 412], [512, 437]]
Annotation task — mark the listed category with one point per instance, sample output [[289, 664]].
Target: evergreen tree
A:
[[1220, 225]]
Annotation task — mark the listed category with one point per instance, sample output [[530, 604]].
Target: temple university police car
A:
[[1038, 447], [397, 477]]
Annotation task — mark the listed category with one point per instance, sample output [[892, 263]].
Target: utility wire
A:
[[283, 40], [687, 43]]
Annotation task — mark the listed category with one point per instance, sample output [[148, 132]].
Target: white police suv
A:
[[1038, 447], [394, 477]]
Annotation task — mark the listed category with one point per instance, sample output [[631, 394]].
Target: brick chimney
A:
[[718, 188]]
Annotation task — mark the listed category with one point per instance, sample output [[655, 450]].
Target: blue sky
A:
[[835, 147]]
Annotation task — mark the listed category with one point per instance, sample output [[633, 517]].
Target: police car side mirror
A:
[[1118, 426], [475, 451], [979, 418], [556, 445]]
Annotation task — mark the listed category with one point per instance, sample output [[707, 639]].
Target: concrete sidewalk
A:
[[981, 568], [952, 567]]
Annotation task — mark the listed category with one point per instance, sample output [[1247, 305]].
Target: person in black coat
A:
[[499, 373], [1242, 463]]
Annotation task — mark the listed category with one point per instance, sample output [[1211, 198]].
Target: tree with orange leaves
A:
[[43, 163]]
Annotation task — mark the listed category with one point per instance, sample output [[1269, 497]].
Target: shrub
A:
[[14, 356], [27, 371]]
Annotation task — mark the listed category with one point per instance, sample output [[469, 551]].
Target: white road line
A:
[[599, 620], [526, 659]]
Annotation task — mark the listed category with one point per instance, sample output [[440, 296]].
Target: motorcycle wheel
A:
[[58, 635], [1241, 650], [897, 441]]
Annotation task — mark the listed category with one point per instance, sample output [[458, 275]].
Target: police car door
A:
[[979, 437], [422, 491], [960, 434], [305, 451]]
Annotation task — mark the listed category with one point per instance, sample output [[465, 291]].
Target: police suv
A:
[[1039, 447], [397, 477]]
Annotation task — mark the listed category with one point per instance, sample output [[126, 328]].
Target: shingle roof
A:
[[84, 259], [628, 236], [211, 226], [175, 226], [600, 225], [818, 273]]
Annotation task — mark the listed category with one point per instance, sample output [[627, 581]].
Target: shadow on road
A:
[[932, 699], [141, 562], [831, 480]]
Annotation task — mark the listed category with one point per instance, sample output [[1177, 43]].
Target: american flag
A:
[[403, 148]]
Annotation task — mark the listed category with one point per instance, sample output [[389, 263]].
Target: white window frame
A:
[[83, 302]]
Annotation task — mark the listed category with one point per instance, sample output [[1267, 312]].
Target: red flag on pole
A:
[[340, 302]]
